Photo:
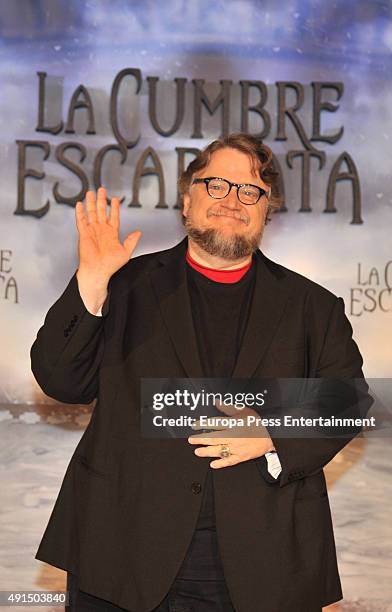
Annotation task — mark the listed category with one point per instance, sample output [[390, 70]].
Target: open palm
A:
[[100, 251]]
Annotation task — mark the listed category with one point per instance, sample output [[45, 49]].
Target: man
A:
[[138, 520]]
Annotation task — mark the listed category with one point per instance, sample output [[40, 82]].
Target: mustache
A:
[[237, 214]]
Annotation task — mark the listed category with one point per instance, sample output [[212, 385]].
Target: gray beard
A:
[[231, 248]]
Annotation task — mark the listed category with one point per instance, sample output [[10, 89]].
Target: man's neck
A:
[[213, 261]]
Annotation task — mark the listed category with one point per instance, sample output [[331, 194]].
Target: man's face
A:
[[226, 227]]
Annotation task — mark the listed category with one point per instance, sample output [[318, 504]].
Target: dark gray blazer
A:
[[128, 505]]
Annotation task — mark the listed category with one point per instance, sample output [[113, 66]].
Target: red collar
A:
[[219, 276]]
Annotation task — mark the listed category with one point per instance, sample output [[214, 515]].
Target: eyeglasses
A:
[[219, 188]]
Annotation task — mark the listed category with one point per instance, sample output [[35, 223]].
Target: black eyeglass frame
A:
[[207, 180]]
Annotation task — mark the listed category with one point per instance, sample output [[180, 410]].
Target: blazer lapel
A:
[[268, 305], [170, 285], [267, 308]]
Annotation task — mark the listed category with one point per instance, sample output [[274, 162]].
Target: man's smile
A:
[[231, 214]]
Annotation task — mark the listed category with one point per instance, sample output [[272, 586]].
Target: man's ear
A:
[[186, 203]]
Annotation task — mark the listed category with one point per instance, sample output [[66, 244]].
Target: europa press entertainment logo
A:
[[373, 291]]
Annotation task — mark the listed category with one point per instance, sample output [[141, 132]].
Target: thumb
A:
[[131, 241]]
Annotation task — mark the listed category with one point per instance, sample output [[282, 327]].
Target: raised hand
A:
[[101, 253]]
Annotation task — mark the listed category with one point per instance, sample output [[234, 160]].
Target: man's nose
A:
[[231, 200]]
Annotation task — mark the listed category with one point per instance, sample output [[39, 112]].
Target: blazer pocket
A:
[[312, 488], [313, 497]]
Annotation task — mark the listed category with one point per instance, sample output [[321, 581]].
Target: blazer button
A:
[[196, 487]]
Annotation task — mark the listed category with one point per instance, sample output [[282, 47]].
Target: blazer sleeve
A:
[[68, 349], [340, 360]]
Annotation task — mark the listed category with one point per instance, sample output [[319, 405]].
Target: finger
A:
[[223, 408], [81, 219], [228, 409], [114, 214], [206, 428], [216, 427], [208, 451], [131, 241], [206, 439], [90, 207], [101, 205], [226, 462]]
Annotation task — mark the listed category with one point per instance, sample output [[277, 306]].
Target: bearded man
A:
[[198, 524]]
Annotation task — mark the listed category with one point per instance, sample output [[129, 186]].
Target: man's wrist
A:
[[92, 279], [93, 291]]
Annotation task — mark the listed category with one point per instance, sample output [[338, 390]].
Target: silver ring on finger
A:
[[225, 451]]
